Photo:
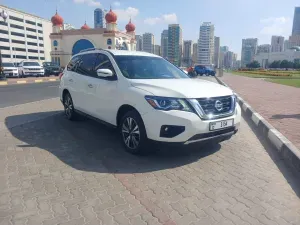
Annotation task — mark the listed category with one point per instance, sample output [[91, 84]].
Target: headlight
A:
[[166, 104]]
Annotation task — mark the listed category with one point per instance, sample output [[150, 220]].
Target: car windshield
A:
[[8, 65], [49, 64], [144, 67], [31, 64]]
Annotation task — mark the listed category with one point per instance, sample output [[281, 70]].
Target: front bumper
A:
[[31, 73], [11, 74], [195, 129]]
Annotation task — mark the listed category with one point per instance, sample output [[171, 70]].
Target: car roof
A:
[[119, 52]]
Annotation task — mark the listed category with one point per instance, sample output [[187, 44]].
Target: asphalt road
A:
[[24, 93]]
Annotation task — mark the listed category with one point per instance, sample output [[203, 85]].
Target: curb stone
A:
[[289, 152], [10, 82]]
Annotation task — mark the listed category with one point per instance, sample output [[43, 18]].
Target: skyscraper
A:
[[174, 44], [296, 23], [277, 44], [228, 59], [187, 53], [148, 42], [249, 49], [164, 43], [99, 18], [157, 50], [217, 52], [266, 48], [139, 42], [195, 53], [206, 44]]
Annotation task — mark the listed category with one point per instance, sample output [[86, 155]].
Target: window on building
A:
[[109, 42], [41, 45], [30, 22], [32, 43], [41, 51], [4, 40], [17, 34], [40, 25], [3, 23], [17, 26], [33, 50], [40, 31], [18, 42], [19, 49], [55, 43], [41, 38], [21, 56], [4, 47], [42, 58], [16, 18], [30, 29], [5, 56], [3, 31], [31, 36], [33, 57]]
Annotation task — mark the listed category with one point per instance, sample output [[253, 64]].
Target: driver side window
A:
[[103, 62]]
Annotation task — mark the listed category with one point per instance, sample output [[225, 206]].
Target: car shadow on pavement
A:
[[287, 116], [289, 173], [89, 146]]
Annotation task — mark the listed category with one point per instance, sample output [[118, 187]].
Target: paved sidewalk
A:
[[28, 80], [278, 104], [53, 171]]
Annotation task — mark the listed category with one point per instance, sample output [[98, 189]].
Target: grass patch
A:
[[262, 75], [289, 82]]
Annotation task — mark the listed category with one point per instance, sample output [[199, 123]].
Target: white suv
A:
[[147, 98], [30, 68]]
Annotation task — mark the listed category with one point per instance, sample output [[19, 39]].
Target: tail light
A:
[[60, 75]]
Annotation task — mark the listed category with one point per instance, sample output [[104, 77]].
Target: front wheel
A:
[[133, 133]]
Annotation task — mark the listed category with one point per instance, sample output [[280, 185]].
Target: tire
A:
[[23, 74], [69, 107], [133, 137]]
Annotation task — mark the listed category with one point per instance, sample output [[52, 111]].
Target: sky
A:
[[233, 19]]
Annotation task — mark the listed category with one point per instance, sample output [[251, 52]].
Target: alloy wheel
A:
[[131, 133]]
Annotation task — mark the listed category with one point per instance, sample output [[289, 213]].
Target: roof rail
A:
[[90, 49]]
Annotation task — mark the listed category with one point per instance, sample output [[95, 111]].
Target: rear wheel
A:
[[133, 133], [69, 107]]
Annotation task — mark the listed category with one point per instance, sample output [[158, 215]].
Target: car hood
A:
[[182, 88], [10, 68], [33, 67], [52, 67]]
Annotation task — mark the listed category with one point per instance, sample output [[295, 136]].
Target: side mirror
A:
[[104, 73]]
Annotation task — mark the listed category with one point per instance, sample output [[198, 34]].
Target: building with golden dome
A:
[[65, 43]]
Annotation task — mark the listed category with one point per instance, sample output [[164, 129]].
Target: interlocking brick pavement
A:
[[278, 104], [53, 171]]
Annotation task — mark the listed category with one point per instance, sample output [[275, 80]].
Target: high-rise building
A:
[[99, 15], [224, 48], [249, 49], [206, 44], [148, 42], [164, 43], [195, 53], [187, 53], [277, 44], [217, 52], [139, 42], [296, 22], [157, 50], [228, 59], [175, 44], [263, 48], [24, 36]]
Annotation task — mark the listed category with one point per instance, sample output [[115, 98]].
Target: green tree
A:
[[275, 64], [284, 64], [253, 64]]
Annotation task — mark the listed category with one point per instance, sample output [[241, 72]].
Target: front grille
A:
[[217, 105], [34, 69], [7, 70]]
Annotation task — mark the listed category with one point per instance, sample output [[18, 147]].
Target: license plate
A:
[[220, 124]]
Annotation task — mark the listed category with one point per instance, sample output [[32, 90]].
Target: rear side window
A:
[[86, 65], [73, 64]]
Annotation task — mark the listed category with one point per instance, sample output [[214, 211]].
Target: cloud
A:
[[276, 26], [117, 4], [88, 2], [125, 14], [167, 18]]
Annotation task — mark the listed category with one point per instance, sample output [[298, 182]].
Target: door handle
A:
[[71, 80], [90, 86]]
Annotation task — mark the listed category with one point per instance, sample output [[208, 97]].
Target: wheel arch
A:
[[123, 110]]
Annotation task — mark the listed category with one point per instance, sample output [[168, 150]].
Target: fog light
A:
[[170, 131]]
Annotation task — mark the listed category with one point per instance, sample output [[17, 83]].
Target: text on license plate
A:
[[220, 124]]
